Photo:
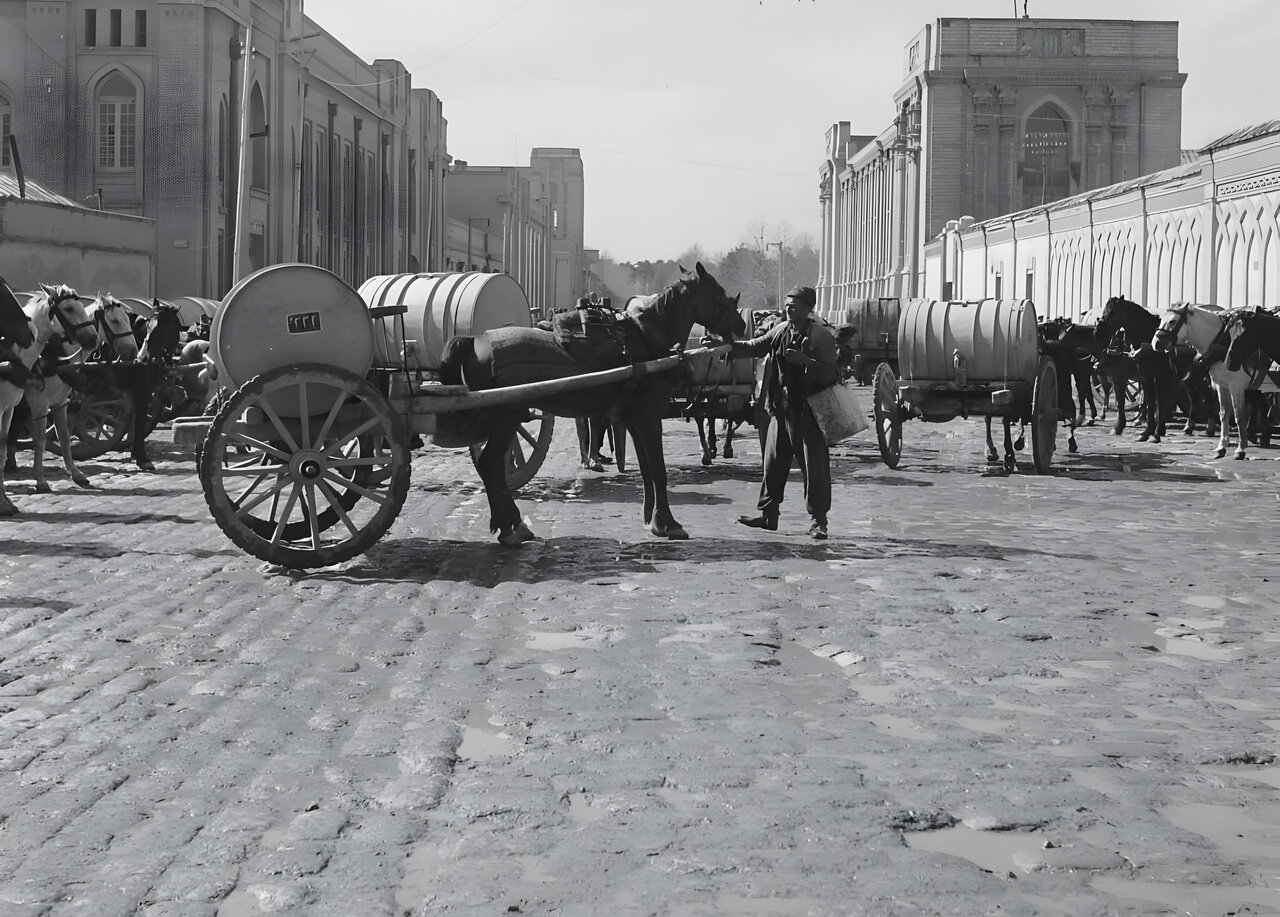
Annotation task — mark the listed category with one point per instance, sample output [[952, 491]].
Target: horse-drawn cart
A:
[[307, 461], [874, 336], [968, 358]]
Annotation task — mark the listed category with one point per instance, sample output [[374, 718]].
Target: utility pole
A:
[[242, 169], [778, 245], [470, 221]]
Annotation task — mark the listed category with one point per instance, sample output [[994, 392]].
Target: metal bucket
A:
[[991, 340], [290, 313], [440, 307]]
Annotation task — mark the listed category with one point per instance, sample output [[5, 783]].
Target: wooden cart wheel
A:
[[212, 407], [1044, 415], [305, 466], [99, 418], [528, 450], [888, 415]]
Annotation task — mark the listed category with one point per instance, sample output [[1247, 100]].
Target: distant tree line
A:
[[750, 269]]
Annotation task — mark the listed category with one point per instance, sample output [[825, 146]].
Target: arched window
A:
[[258, 135], [1046, 167], [117, 123], [6, 128]]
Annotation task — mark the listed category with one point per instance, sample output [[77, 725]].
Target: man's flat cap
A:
[[805, 296]]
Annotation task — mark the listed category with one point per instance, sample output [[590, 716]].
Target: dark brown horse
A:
[[1251, 330], [1155, 370], [158, 339], [512, 356]]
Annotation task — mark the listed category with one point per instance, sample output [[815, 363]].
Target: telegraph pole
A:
[[778, 245]]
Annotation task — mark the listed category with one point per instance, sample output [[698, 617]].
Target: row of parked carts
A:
[[305, 461]]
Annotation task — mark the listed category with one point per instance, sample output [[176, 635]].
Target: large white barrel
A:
[[876, 321], [992, 340], [290, 313], [440, 307], [191, 308], [719, 370], [138, 306]]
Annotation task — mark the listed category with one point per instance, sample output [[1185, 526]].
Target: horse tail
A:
[[458, 428]]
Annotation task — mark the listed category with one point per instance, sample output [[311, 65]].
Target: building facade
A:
[[1207, 231], [993, 116], [251, 136], [500, 220]]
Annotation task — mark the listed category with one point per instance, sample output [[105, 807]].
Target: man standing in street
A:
[[799, 359]]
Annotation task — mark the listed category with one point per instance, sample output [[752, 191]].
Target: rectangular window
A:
[[117, 17], [140, 29], [1031, 285], [90, 28], [117, 134]]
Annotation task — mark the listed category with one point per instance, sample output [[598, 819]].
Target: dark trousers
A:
[[796, 435]]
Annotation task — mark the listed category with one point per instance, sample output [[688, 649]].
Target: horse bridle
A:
[[1182, 312], [110, 337], [69, 327]]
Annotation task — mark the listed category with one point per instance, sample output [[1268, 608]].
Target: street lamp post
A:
[[778, 245], [471, 220]]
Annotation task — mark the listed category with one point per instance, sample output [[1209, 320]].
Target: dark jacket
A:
[[818, 343]]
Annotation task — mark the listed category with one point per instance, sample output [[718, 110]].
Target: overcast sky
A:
[[704, 121]]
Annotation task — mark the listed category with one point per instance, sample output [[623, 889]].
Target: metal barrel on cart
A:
[[959, 359]]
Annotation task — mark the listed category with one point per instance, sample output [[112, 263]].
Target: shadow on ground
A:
[[582, 559]]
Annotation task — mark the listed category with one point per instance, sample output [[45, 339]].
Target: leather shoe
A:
[[759, 522], [818, 530]]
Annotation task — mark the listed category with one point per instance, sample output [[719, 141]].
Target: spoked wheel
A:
[[98, 416], [888, 415], [1044, 415], [305, 466], [528, 449]]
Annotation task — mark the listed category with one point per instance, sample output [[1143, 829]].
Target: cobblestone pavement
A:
[[986, 693]]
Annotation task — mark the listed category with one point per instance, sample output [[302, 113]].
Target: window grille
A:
[[117, 133]]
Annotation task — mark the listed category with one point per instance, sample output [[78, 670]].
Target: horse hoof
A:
[[992, 456], [81, 481], [43, 487], [516, 537], [674, 533], [1144, 437], [1071, 446], [8, 509], [706, 459], [1239, 456], [1219, 453], [728, 452]]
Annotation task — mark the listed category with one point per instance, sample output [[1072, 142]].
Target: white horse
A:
[[59, 304], [1204, 328], [117, 343]]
